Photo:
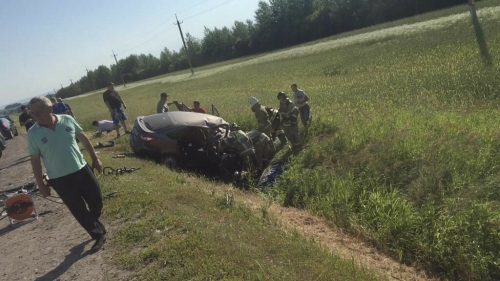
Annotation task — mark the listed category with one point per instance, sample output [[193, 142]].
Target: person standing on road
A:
[[52, 140], [288, 116], [25, 118], [114, 103], [301, 101]]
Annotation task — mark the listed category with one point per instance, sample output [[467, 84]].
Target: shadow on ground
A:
[[75, 254]]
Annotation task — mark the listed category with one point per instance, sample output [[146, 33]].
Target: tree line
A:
[[277, 24]]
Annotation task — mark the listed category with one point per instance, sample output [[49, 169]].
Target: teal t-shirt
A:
[[58, 149]]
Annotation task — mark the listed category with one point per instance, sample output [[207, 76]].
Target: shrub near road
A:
[[404, 147]]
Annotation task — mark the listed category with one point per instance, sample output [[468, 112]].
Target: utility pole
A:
[[61, 86], [472, 7], [90, 80], [71, 81], [118, 68], [184, 42]]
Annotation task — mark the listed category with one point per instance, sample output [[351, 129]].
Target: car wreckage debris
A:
[[119, 171]]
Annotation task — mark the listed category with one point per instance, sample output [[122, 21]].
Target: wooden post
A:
[[472, 7]]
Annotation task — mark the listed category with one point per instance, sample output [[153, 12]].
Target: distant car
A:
[[6, 117], [185, 139], [7, 127]]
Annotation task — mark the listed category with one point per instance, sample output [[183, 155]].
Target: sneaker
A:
[[104, 231], [99, 243]]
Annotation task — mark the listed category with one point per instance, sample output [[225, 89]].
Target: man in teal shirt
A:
[[51, 140]]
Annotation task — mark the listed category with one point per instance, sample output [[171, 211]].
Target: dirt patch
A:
[[53, 247], [345, 246], [340, 243]]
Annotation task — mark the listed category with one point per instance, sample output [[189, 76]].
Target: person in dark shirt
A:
[[25, 118], [114, 103]]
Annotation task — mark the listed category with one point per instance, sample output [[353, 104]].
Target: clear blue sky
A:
[[45, 43]]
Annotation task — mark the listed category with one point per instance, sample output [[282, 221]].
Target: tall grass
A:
[[414, 164], [404, 146]]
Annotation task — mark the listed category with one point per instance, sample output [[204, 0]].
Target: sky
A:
[[47, 43]]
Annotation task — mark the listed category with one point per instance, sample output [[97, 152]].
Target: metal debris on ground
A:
[[120, 171]]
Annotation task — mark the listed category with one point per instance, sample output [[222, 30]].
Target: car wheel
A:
[[9, 135], [1, 153], [169, 161]]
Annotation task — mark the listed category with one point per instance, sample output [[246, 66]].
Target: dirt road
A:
[[54, 247]]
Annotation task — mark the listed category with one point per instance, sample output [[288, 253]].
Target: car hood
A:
[[160, 121]]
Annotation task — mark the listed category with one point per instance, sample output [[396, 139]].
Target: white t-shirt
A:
[[299, 97], [105, 125]]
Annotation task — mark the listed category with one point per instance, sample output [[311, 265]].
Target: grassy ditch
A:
[[174, 226]]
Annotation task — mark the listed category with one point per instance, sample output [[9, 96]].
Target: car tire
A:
[[1, 153], [169, 161]]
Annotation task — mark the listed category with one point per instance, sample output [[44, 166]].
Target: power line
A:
[[191, 7], [152, 30], [137, 46], [210, 9], [147, 34]]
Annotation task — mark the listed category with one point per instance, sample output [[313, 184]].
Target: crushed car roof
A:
[[179, 118]]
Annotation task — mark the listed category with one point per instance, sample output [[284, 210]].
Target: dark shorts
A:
[[118, 115]]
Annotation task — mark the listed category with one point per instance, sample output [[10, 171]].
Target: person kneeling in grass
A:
[[103, 126]]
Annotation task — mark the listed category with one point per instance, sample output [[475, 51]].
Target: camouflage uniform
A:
[[264, 126], [243, 144], [276, 129], [288, 116], [261, 143]]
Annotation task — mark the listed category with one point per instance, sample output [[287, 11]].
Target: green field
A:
[[404, 150]]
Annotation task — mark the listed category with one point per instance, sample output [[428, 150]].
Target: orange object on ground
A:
[[19, 207]]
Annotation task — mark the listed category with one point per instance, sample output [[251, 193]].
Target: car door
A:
[[215, 112]]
